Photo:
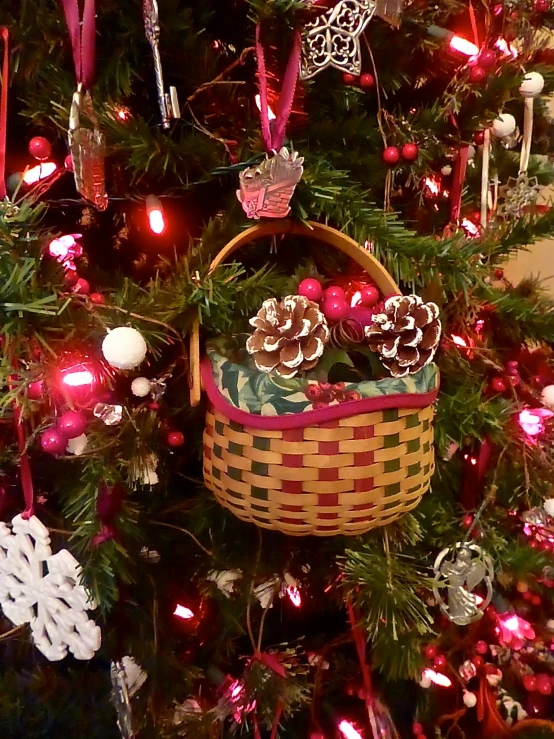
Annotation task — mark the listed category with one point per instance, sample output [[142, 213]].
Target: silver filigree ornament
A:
[[121, 700], [266, 189], [517, 195], [168, 101], [333, 39], [460, 569]]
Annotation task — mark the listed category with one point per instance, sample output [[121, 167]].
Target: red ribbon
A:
[[24, 464], [460, 167], [274, 134], [475, 474], [108, 506], [271, 661], [4, 111], [360, 642], [82, 36]]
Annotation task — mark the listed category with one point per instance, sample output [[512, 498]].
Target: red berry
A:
[[478, 661], [481, 647], [81, 286], [391, 155], [490, 670], [498, 274], [530, 683], [39, 147], [430, 651], [70, 277], [53, 441], [97, 298], [334, 309], [72, 424], [334, 291], [349, 79], [512, 365], [487, 58], [467, 520], [440, 662], [543, 684], [417, 729], [527, 595], [410, 152], [34, 390], [367, 81], [498, 385], [369, 296], [479, 138], [477, 74], [542, 6], [153, 405], [311, 288], [536, 600], [175, 438]]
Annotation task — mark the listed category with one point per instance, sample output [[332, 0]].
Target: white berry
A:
[[532, 85], [446, 170], [504, 125], [548, 506], [141, 387], [470, 699], [124, 348], [547, 396]]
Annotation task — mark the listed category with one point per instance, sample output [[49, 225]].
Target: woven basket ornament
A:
[[344, 469]]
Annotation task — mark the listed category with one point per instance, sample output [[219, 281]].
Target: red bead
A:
[[81, 286], [349, 79], [334, 309], [512, 365], [430, 651], [410, 152], [530, 683], [542, 6], [72, 424], [481, 647], [487, 58], [367, 81], [70, 277], [467, 520], [527, 595], [334, 291], [477, 74], [440, 662], [34, 390], [543, 684], [311, 288], [39, 147], [175, 438], [478, 661], [391, 155], [53, 441], [369, 296], [153, 405], [479, 138], [536, 600], [97, 298], [417, 729], [498, 385], [498, 274], [68, 163]]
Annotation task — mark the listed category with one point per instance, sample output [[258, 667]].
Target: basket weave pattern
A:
[[341, 477]]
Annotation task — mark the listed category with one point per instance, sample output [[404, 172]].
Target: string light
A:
[[432, 186], [65, 247], [294, 595], [455, 42], [155, 214], [348, 731], [471, 230], [78, 378], [39, 172], [532, 422], [270, 114], [183, 612], [506, 48], [437, 678]]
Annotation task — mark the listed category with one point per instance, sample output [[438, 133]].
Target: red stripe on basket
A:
[[292, 508], [364, 432], [329, 424], [363, 507], [292, 460], [210, 430], [328, 447], [327, 516], [330, 474], [328, 499], [207, 452], [291, 486], [311, 418], [364, 459], [293, 434], [365, 485]]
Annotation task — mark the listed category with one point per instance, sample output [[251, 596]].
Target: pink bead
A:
[[543, 684], [334, 309], [39, 147], [53, 441], [430, 651], [72, 424], [369, 296], [311, 288], [530, 683], [440, 662], [335, 292]]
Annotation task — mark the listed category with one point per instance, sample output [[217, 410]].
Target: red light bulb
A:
[[155, 213]]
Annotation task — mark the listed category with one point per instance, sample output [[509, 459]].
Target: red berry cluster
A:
[[392, 154], [324, 393], [501, 383], [334, 303], [365, 81]]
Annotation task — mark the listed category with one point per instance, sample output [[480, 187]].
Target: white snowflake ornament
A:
[[45, 591]]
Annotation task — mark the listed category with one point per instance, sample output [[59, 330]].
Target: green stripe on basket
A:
[[425, 425], [235, 448], [216, 473], [426, 447], [217, 451], [414, 469], [259, 442], [390, 441], [390, 414], [236, 426], [392, 465], [234, 474], [412, 446], [260, 494], [220, 427], [392, 489], [411, 421], [260, 468]]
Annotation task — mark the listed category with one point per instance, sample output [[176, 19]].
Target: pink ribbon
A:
[[274, 135], [82, 36], [4, 111]]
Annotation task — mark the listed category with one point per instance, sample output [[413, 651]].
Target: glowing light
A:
[[433, 185], [512, 624], [65, 247], [270, 114], [437, 677], [348, 730], [471, 230], [458, 340], [464, 345], [506, 48], [39, 172], [122, 112], [532, 421], [78, 378], [514, 629], [463, 46], [155, 214], [183, 612], [294, 595]]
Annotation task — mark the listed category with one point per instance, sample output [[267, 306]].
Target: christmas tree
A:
[[276, 428]]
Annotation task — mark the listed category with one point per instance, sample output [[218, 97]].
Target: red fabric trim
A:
[[310, 418]]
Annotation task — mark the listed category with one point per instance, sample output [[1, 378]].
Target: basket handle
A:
[[326, 234]]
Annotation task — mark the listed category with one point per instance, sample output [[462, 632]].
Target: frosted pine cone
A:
[[406, 334], [290, 336]]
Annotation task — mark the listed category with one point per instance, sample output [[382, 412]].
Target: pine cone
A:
[[290, 336], [406, 334]]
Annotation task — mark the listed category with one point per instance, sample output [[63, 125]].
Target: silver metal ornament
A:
[[121, 700], [536, 517], [333, 39], [266, 189], [87, 147], [168, 102], [460, 569], [517, 195]]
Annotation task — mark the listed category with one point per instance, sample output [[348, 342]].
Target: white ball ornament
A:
[[446, 170], [547, 396], [141, 387], [532, 85], [504, 125], [124, 348], [470, 699], [548, 506]]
